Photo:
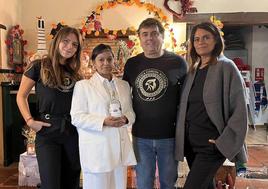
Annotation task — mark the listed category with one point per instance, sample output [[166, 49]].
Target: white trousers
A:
[[116, 179]]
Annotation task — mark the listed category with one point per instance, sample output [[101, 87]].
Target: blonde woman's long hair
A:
[[52, 72], [217, 51]]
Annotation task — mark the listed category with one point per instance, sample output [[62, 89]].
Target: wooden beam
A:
[[236, 18], [3, 27]]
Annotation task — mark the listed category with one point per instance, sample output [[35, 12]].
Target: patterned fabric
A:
[[261, 96]]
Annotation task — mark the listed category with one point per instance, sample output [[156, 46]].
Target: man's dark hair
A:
[[151, 22]]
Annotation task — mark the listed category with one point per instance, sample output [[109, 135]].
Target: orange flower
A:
[[132, 28], [124, 31], [115, 32], [97, 33], [105, 5], [106, 30], [54, 26]]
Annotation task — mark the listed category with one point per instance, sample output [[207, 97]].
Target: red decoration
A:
[[15, 45], [186, 7], [130, 44]]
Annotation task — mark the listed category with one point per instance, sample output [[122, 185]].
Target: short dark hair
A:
[[219, 46], [100, 49], [151, 22]]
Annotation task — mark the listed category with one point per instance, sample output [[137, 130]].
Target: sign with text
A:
[[259, 74]]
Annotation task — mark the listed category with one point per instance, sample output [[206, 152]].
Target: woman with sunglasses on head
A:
[[212, 116]]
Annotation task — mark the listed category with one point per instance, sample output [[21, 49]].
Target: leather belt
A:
[[65, 119]]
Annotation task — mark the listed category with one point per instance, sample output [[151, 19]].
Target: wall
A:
[[260, 46], [119, 17], [260, 59], [56, 11], [10, 14], [222, 6], [72, 12]]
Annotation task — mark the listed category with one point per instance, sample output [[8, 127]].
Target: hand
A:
[[37, 125], [114, 121], [124, 119], [211, 141]]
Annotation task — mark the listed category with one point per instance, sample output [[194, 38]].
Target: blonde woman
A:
[[56, 138]]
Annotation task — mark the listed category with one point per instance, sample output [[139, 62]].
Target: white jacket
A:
[[102, 148]]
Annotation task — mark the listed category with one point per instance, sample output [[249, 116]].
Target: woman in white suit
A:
[[104, 144]]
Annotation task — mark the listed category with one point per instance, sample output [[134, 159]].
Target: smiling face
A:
[[104, 64], [68, 46], [204, 42], [151, 41]]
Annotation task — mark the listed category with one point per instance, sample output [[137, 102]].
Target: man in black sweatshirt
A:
[[155, 77]]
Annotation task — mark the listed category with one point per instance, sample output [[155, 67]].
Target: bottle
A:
[[115, 106]]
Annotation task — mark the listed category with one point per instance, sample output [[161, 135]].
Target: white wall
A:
[[260, 49], [260, 59], [222, 6], [72, 13], [10, 12]]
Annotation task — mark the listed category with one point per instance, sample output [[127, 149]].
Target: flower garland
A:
[[92, 26], [217, 22], [55, 29], [15, 45]]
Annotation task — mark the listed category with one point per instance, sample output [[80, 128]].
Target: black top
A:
[[198, 122], [155, 86], [53, 101]]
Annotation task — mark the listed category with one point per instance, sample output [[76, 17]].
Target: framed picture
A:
[[17, 51], [15, 45]]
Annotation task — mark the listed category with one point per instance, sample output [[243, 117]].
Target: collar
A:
[[102, 79]]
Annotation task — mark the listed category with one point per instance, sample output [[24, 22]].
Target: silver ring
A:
[[47, 116]]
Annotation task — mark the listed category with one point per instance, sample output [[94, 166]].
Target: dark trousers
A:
[[58, 160], [203, 163]]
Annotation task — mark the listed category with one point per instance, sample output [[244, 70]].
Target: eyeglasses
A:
[[204, 38]]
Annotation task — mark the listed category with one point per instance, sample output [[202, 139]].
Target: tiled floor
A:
[[258, 163], [258, 160], [9, 177]]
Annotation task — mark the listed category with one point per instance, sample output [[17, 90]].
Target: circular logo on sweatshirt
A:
[[151, 84], [67, 85]]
